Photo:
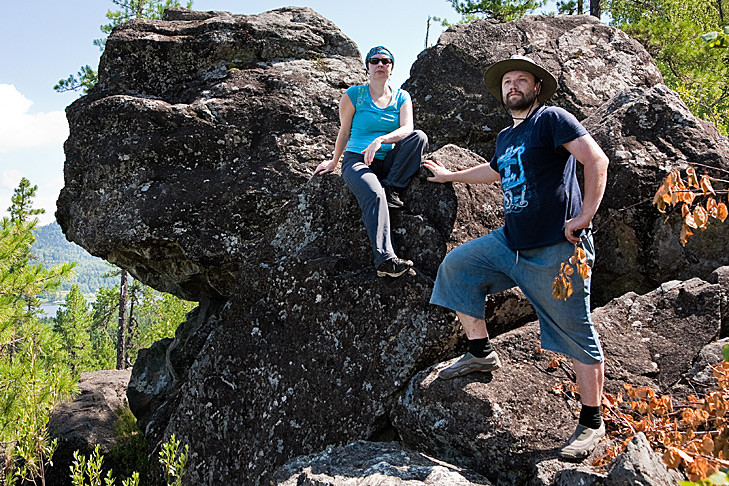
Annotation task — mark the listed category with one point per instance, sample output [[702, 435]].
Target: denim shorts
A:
[[487, 265]]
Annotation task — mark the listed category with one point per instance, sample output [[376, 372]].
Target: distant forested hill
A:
[[51, 248]]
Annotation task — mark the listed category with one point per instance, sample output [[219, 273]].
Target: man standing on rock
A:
[[545, 217]]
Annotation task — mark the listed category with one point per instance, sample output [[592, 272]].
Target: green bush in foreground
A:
[[87, 471]]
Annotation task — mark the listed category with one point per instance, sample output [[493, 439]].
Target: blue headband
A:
[[378, 50]]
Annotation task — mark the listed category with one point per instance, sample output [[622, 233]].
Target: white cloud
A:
[[9, 179], [19, 129]]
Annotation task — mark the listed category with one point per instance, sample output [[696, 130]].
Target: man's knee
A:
[[454, 260]]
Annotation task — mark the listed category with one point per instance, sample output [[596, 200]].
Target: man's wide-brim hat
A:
[[492, 76]]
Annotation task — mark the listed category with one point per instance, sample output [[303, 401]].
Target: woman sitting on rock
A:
[[381, 152]]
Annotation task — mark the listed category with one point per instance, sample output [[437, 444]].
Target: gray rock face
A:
[[373, 463], [591, 61], [284, 379], [640, 466]]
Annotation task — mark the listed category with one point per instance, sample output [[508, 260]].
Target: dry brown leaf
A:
[[689, 221], [674, 457], [584, 270], [722, 212], [691, 176], [554, 363], [687, 197], [659, 199], [701, 217], [685, 233], [706, 185], [712, 208]]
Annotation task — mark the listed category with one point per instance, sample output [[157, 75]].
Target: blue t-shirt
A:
[[538, 177], [371, 121]]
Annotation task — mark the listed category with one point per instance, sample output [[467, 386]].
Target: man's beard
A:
[[520, 103]]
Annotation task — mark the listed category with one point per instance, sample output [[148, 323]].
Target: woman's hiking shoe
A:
[[394, 267], [582, 442], [469, 363]]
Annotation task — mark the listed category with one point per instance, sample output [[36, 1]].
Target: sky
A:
[[47, 40]]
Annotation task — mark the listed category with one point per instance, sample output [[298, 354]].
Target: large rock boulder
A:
[[197, 134], [591, 61], [374, 463]]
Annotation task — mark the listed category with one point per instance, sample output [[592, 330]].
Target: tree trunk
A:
[[130, 326], [580, 7], [721, 12], [595, 8], [121, 328]]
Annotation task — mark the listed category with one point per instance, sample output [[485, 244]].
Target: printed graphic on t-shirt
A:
[[513, 180]]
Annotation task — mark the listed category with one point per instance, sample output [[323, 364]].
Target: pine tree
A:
[[73, 326], [671, 30], [33, 376], [500, 10], [22, 202]]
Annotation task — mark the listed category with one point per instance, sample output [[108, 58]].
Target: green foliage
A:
[[671, 32], [568, 7], [718, 478], [32, 381], [500, 10], [86, 78], [172, 460], [22, 202], [33, 375], [717, 39], [130, 449], [160, 314], [83, 468], [137, 9], [73, 326], [156, 316]]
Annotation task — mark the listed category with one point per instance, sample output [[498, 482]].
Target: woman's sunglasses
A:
[[383, 60]]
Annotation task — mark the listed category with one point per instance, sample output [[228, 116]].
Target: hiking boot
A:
[[394, 267], [392, 196], [469, 363], [582, 442]]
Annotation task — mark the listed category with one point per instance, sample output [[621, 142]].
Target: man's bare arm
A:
[[589, 153], [480, 174]]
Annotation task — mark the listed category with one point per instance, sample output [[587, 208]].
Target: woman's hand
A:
[[371, 150], [440, 173], [326, 166]]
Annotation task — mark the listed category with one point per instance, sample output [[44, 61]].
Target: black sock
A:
[[480, 348], [590, 417]]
